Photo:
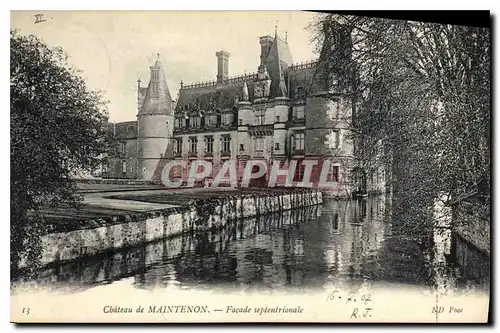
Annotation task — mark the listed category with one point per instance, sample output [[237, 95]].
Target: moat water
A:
[[339, 242]]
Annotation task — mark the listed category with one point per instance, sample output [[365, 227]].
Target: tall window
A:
[[259, 144], [178, 146], [333, 139], [193, 144], [123, 147], [124, 166], [178, 123], [334, 110], [259, 117], [299, 171], [209, 144], [333, 173], [299, 112], [226, 143], [298, 141], [154, 83]]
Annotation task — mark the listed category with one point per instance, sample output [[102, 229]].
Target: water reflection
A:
[[341, 243]]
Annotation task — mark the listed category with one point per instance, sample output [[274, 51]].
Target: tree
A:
[[58, 127], [423, 91]]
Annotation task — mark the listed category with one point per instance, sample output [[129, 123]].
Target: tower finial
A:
[[286, 36], [157, 56], [276, 30]]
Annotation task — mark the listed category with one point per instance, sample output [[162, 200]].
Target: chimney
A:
[[265, 46], [222, 66]]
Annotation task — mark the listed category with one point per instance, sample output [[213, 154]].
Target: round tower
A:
[[244, 119], [281, 110], [155, 122]]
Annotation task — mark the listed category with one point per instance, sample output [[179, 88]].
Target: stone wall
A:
[[137, 261], [91, 237]]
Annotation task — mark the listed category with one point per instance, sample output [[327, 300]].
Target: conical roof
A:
[[157, 99]]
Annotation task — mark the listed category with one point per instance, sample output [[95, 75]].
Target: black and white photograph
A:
[[249, 166]]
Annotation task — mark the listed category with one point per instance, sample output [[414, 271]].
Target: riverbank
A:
[[115, 220]]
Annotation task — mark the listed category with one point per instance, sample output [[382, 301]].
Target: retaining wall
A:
[[90, 237]]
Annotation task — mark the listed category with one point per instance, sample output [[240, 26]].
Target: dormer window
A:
[[195, 122], [300, 93], [155, 77], [299, 112], [211, 120], [227, 119]]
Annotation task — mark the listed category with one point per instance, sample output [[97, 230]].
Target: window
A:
[[277, 119], [259, 117], [176, 172], [209, 144], [195, 122], [299, 112], [178, 146], [259, 144], [105, 167], [227, 118], [333, 110], [333, 173], [156, 90], [193, 143], [298, 141], [123, 147], [333, 139], [277, 146], [211, 120], [300, 93], [242, 147], [241, 121], [177, 123], [226, 143], [124, 166], [299, 171]]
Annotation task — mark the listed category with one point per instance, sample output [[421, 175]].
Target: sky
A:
[[115, 48]]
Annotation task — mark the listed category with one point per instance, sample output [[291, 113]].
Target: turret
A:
[[245, 116], [155, 124], [281, 110]]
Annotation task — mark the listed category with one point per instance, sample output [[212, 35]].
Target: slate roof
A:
[[284, 82], [161, 105]]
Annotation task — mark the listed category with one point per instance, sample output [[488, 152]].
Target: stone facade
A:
[[282, 112]]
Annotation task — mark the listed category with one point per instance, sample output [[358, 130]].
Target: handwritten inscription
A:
[[39, 18], [362, 302]]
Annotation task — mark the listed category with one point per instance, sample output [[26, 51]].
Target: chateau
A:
[[283, 112]]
